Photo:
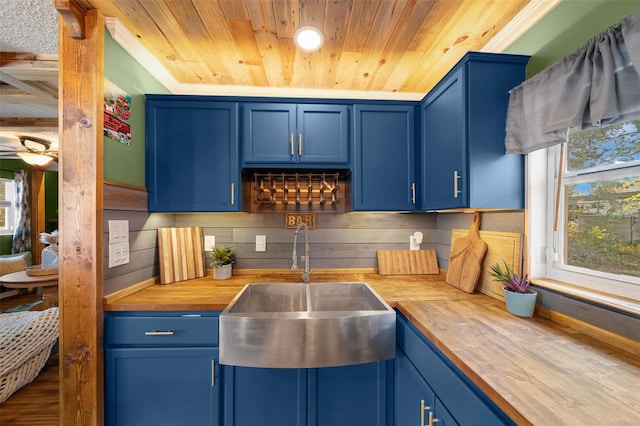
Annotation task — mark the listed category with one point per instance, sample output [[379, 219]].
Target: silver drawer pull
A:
[[159, 333]]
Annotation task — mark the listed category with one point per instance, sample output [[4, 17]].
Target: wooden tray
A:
[[39, 271], [407, 262]]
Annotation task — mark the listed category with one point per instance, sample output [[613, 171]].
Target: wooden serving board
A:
[[501, 246], [465, 259], [407, 262], [181, 254]]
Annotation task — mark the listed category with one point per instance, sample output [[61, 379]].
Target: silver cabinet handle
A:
[[213, 372], [300, 145], [159, 333], [456, 177], [292, 151], [233, 194], [423, 408], [413, 193]]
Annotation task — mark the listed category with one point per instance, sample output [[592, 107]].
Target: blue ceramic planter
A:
[[520, 304]]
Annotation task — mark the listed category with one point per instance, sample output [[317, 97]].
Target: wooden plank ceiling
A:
[[385, 47], [370, 45]]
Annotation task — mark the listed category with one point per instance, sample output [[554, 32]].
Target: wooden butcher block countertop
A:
[[537, 371]]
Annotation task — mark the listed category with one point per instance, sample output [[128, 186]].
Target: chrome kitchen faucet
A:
[[294, 266]]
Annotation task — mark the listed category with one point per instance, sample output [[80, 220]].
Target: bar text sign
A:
[[293, 219]]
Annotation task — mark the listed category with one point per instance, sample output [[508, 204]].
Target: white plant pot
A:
[[520, 304], [222, 272]]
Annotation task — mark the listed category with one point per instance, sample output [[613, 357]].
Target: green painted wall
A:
[[567, 28], [125, 163]]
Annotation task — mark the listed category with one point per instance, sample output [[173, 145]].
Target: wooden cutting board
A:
[[181, 254], [465, 260], [407, 262], [501, 247]]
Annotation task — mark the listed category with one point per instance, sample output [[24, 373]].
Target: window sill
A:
[[620, 304]]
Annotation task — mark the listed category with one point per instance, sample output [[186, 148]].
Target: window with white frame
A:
[[8, 214], [592, 231]]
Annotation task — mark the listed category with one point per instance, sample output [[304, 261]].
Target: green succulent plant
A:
[[511, 280], [222, 256]]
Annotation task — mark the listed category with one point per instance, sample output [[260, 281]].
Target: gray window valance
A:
[[597, 85]]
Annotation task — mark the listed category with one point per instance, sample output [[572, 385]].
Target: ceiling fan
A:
[[35, 151]]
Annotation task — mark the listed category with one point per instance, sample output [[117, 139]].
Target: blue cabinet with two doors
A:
[[295, 135], [329, 396]]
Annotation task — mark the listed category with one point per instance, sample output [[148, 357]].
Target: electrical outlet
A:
[[118, 254], [209, 242], [261, 243]]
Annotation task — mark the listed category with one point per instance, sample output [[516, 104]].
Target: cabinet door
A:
[[410, 392], [323, 134], [444, 161], [269, 133], [192, 156], [264, 396], [351, 395], [162, 386], [383, 162]]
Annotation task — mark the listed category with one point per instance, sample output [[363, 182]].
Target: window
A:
[[597, 241], [8, 213]]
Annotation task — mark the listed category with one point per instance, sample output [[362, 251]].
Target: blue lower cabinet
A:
[[351, 395], [161, 368], [332, 396], [423, 372], [415, 401], [162, 386], [264, 396]]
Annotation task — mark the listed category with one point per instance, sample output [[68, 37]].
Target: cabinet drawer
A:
[[181, 329]]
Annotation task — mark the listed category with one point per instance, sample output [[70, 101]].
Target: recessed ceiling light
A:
[[308, 39]]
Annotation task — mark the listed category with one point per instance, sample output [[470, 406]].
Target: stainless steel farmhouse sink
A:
[[290, 325]]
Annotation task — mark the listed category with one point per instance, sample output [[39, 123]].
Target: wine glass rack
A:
[[298, 191]]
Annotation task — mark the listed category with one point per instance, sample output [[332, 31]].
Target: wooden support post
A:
[[37, 214], [81, 82]]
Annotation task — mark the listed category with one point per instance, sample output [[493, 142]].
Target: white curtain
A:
[[22, 233], [597, 85]]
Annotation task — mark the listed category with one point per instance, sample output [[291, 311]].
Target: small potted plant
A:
[[221, 260], [519, 298]]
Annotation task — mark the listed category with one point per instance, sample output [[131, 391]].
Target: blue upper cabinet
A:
[[383, 161], [295, 135], [192, 154], [463, 158]]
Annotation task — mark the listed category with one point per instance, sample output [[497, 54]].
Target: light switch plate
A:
[[118, 231], [261, 243]]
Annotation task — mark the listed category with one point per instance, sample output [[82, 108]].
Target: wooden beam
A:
[[15, 96], [9, 123], [74, 17], [81, 220], [44, 96], [37, 213], [30, 66]]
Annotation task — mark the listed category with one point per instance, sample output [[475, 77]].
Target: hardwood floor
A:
[[35, 404]]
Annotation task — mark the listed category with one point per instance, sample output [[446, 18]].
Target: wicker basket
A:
[[26, 340], [39, 271]]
